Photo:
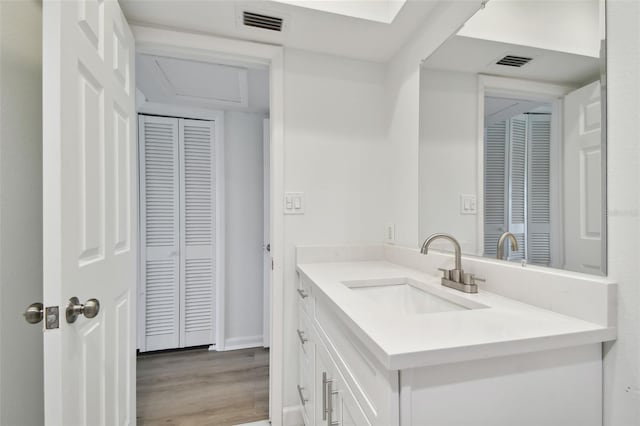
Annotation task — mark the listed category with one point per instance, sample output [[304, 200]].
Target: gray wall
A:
[[21, 397]]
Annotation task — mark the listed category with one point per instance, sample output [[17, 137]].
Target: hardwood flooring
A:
[[199, 387]]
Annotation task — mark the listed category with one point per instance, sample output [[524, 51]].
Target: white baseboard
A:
[[243, 342], [291, 416]]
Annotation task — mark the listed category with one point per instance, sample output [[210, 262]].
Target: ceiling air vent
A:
[[258, 20], [513, 61]]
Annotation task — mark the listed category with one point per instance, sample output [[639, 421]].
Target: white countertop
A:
[[400, 341]]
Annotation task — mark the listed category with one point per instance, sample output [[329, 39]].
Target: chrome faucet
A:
[[500, 249], [456, 247], [453, 278]]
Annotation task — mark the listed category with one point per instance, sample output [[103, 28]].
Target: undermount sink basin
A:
[[405, 296]]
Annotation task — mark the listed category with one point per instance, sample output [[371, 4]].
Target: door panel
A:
[[160, 268], [495, 185], [90, 211], [198, 232], [583, 180]]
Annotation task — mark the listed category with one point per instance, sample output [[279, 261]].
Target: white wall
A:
[[448, 154], [403, 105], [335, 152], [565, 26], [622, 358], [244, 228], [21, 380]]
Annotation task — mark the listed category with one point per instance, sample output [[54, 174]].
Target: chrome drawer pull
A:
[[303, 339], [302, 293], [303, 400], [325, 381]]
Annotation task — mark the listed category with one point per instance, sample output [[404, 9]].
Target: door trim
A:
[[204, 47]]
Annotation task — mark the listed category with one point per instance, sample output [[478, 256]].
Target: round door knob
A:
[[91, 308], [74, 309], [33, 314]]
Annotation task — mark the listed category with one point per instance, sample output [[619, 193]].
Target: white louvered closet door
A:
[[159, 208], [539, 190], [517, 214], [495, 185], [198, 232]]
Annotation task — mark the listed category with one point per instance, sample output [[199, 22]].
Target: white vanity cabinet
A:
[[342, 382], [339, 383]]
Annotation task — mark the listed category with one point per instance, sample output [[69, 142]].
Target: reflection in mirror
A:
[[512, 135]]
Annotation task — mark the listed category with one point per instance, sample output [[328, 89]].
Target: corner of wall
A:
[[403, 100]]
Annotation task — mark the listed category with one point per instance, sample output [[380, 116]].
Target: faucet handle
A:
[[445, 273], [471, 279]]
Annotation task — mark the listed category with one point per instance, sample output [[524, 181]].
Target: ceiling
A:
[[465, 54], [304, 27], [374, 10], [497, 109], [198, 84]]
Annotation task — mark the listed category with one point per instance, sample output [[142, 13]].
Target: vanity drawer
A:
[[304, 332], [306, 367], [375, 388], [305, 294]]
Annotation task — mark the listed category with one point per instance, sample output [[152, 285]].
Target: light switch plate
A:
[[389, 232], [293, 203], [468, 204]]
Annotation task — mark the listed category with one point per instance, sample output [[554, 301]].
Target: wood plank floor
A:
[[199, 387]]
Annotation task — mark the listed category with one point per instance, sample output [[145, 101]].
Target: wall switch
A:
[[294, 203], [468, 204], [389, 232]]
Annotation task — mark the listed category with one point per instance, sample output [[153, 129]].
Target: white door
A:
[[583, 180], [90, 212], [200, 206], [266, 299]]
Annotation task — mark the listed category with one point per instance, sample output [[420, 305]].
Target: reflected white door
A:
[[90, 211], [583, 180]]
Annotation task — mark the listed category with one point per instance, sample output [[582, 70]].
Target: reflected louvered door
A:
[[495, 185], [159, 208], [518, 185], [539, 187], [198, 232]]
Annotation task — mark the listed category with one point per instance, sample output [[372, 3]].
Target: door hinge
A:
[[52, 317]]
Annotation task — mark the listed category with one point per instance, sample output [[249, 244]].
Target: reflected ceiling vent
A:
[[264, 22], [514, 61]]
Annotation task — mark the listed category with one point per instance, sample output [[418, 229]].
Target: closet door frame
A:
[[178, 112], [511, 87], [206, 47]]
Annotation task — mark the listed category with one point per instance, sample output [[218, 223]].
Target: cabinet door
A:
[[350, 413], [324, 374], [159, 210], [335, 403]]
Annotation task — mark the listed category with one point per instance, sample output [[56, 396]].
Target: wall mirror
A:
[[513, 134]]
